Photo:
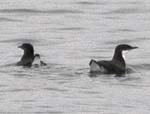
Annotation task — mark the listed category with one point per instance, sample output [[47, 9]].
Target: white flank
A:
[[94, 67]]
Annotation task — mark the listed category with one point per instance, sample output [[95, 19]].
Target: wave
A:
[[57, 11], [3, 19], [125, 11]]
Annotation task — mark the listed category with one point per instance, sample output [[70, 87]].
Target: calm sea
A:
[[68, 34]]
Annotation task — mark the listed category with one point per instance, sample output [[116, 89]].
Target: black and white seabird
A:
[[37, 61], [115, 66], [28, 57]]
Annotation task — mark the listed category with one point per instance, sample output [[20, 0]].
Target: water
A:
[[68, 34]]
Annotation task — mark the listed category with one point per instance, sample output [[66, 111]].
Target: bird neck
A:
[[118, 57], [28, 54]]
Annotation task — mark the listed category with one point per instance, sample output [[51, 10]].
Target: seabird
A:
[[115, 66]]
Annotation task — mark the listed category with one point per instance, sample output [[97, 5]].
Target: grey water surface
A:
[[68, 34]]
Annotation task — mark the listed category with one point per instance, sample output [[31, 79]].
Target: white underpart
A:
[[94, 67], [124, 54]]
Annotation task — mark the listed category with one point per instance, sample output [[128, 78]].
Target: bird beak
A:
[[134, 47], [20, 46]]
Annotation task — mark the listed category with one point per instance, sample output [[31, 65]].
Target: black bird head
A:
[[38, 61], [28, 48], [37, 56], [124, 47], [118, 52]]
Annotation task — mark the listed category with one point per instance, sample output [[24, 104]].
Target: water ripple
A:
[[114, 42], [56, 89], [16, 90], [71, 29], [3, 19], [125, 11], [90, 3], [33, 11], [121, 30], [20, 40]]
